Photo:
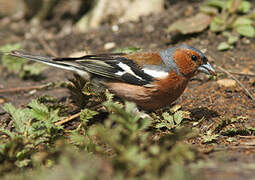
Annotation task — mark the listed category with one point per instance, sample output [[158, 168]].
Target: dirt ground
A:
[[203, 97]]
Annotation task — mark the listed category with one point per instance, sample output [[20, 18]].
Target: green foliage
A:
[[127, 144], [32, 127], [134, 152], [232, 39], [172, 121], [225, 122], [18, 65], [209, 137], [87, 114], [126, 141], [83, 93], [124, 146], [234, 17], [221, 128]]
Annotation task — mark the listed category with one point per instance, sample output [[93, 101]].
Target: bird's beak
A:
[[207, 69]]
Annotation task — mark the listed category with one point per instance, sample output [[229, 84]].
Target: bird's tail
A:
[[49, 61], [38, 58]]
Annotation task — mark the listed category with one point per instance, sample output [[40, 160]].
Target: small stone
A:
[[32, 92], [246, 41], [227, 82], [115, 28], [2, 100], [109, 45]]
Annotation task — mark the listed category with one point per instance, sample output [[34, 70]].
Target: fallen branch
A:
[[238, 82]]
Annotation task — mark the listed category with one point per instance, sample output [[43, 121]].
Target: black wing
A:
[[109, 66], [113, 66]]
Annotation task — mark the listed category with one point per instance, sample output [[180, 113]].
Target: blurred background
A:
[[55, 19]]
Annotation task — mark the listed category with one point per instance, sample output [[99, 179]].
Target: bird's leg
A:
[[141, 113]]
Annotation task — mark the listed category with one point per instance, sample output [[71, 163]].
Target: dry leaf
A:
[[194, 24]]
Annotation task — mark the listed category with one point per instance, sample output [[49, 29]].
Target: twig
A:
[[11, 90], [238, 82], [24, 89], [242, 74], [67, 119], [47, 48]]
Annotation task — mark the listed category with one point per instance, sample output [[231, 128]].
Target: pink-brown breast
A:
[[164, 92]]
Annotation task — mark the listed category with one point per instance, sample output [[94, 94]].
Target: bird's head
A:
[[187, 61]]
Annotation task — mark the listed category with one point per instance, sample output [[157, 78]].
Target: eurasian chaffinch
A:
[[150, 79]]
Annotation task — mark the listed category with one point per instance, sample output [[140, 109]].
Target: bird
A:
[[152, 80]]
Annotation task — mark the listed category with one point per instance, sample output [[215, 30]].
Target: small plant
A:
[[173, 120], [209, 137], [126, 139], [33, 127], [83, 93], [233, 17]]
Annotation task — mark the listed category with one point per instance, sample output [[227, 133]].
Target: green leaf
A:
[[217, 3], [19, 65], [217, 25], [245, 7], [20, 117], [12, 63], [233, 39], [180, 115], [246, 30], [242, 21], [154, 149], [87, 114], [233, 5], [33, 69], [168, 118], [23, 163], [161, 125], [208, 10], [8, 133], [38, 111], [209, 137], [224, 46]]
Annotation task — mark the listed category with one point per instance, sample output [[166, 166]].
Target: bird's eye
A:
[[194, 58]]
